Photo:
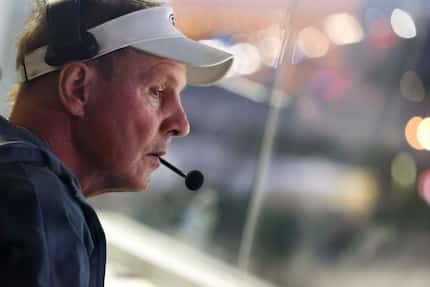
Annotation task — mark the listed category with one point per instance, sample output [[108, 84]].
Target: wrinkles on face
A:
[[151, 102], [143, 112]]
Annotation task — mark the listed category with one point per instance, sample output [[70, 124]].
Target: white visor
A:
[[153, 31]]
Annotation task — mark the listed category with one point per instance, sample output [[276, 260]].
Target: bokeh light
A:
[[403, 24], [247, 59], [343, 29], [312, 42], [411, 87], [269, 43], [424, 185], [358, 192], [423, 133], [411, 132], [404, 170]]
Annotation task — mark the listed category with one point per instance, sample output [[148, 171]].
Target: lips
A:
[[157, 154], [154, 159]]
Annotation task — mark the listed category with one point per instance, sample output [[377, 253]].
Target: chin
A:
[[137, 185], [134, 178], [128, 184]]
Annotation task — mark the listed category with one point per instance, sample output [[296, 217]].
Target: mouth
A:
[[155, 157], [157, 154]]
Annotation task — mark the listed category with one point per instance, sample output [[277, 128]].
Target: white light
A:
[[357, 192], [128, 282], [403, 24], [269, 42], [423, 133], [216, 44], [247, 59], [270, 48], [343, 29], [312, 42]]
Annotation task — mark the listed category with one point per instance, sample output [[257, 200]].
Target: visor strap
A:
[[24, 69]]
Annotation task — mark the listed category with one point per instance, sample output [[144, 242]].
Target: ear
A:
[[73, 87]]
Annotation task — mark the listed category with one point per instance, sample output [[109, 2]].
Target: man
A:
[[86, 127]]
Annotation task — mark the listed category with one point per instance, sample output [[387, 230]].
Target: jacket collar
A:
[[19, 144]]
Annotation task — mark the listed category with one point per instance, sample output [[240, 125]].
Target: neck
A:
[[55, 127]]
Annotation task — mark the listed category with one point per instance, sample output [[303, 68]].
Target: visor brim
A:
[[205, 65]]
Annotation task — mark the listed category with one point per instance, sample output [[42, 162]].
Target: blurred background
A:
[[316, 151]]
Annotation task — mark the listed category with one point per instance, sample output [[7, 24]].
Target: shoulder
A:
[[23, 176], [23, 185], [32, 181], [20, 212], [33, 197], [34, 186], [16, 191], [21, 226], [39, 217]]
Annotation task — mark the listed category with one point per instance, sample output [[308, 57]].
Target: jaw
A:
[[118, 187]]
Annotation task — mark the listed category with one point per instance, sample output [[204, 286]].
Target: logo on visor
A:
[[172, 19]]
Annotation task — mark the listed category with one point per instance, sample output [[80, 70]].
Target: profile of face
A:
[[130, 118]]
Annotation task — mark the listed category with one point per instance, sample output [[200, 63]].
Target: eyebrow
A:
[[169, 77], [172, 79]]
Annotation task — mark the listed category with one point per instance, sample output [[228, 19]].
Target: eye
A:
[[157, 91]]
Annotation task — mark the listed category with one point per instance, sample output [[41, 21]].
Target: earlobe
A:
[[73, 87]]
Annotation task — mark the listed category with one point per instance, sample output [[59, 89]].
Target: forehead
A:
[[159, 69]]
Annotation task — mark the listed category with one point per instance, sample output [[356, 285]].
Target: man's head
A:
[[125, 123], [110, 118]]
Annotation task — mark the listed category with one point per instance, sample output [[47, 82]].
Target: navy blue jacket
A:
[[49, 235]]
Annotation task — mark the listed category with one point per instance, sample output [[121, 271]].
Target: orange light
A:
[[411, 133], [313, 42]]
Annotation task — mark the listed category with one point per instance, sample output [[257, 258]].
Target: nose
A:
[[176, 123]]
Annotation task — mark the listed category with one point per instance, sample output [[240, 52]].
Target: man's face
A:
[[131, 118]]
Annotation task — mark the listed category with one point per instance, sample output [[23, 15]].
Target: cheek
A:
[[150, 103], [143, 131], [136, 127], [119, 129], [105, 132], [144, 115]]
